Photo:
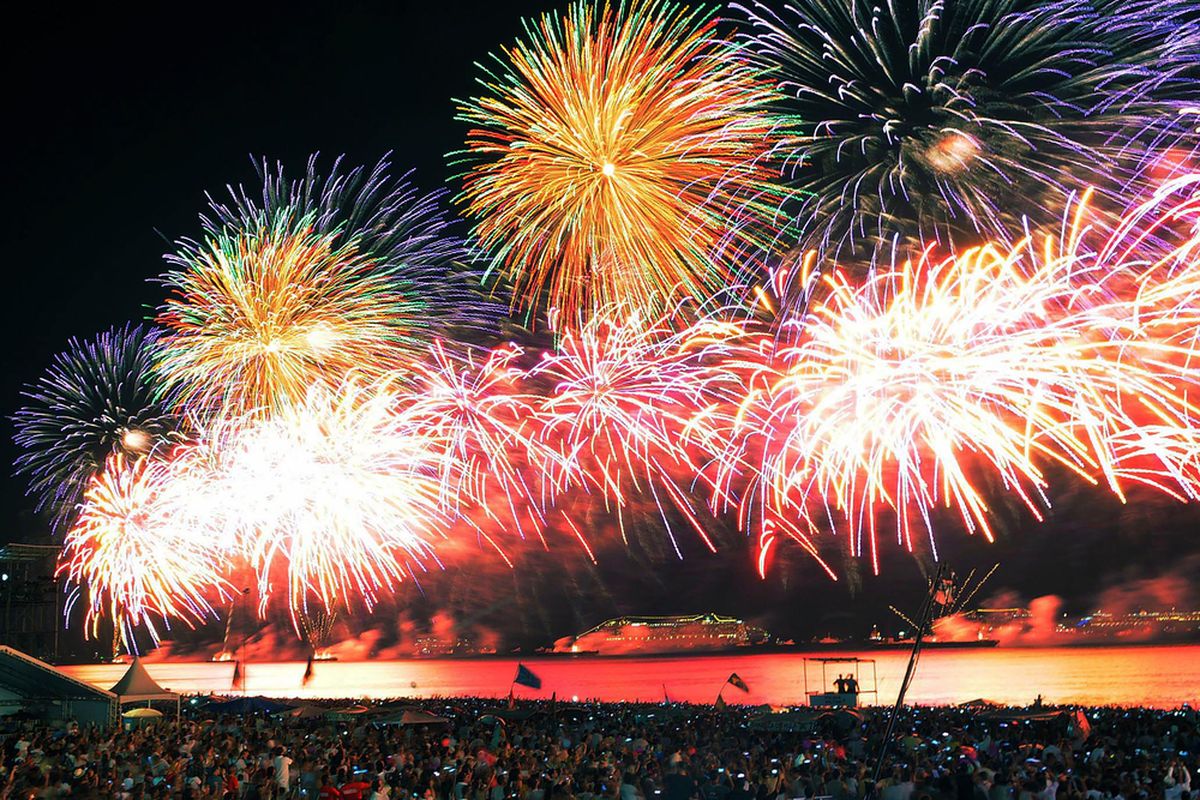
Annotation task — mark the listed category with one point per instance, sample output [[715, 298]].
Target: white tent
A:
[[137, 685]]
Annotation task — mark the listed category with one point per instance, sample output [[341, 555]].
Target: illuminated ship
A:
[[671, 634], [1160, 626], [432, 645]]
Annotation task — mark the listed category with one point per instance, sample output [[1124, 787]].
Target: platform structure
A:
[[47, 693], [825, 694]]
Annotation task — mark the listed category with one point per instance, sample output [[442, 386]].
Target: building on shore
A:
[[30, 602]]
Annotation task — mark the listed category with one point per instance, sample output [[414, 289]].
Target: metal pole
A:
[[57, 621], [9, 580], [245, 625], [924, 620]]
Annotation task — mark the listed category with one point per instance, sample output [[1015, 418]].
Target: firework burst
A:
[[954, 120], [405, 233], [483, 421], [625, 410], [137, 565], [907, 391], [335, 496], [99, 397], [605, 158], [319, 278]]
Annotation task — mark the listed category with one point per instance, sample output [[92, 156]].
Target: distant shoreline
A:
[[798, 649]]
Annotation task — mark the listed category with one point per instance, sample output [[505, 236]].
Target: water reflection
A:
[[1154, 676]]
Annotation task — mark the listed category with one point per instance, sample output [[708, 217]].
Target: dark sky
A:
[[121, 123]]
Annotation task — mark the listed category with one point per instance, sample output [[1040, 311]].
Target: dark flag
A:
[[308, 671], [526, 677], [721, 704], [1083, 728], [738, 682], [237, 675], [666, 697]]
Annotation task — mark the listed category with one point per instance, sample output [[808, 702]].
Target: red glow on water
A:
[[1160, 676]]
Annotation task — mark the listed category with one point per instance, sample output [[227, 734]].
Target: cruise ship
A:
[[695, 633]]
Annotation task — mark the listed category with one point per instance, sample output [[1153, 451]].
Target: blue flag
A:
[[526, 677]]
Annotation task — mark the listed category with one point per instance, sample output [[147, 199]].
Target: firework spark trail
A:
[[318, 278], [99, 397], [340, 492], [137, 565], [610, 154], [626, 410], [406, 234], [928, 385], [897, 392], [482, 421], [318, 626], [259, 317], [955, 121]]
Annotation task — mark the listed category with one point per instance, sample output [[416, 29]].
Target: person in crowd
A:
[[615, 751]]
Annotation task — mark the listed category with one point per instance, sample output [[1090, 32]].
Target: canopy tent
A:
[[981, 703], [143, 713], [517, 714], [248, 705], [1014, 715], [36, 687], [304, 712], [346, 713], [136, 684], [576, 712], [805, 719], [416, 716], [798, 721]]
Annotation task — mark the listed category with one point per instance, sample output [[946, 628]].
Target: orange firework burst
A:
[[611, 156], [904, 392], [137, 564], [260, 315]]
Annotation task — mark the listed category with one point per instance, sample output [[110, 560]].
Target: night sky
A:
[[121, 125]]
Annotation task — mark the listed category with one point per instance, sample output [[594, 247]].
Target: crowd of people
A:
[[484, 751]]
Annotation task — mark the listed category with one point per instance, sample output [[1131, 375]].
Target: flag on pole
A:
[[308, 671], [526, 677], [721, 704], [738, 682], [237, 674], [666, 697], [1083, 728]]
